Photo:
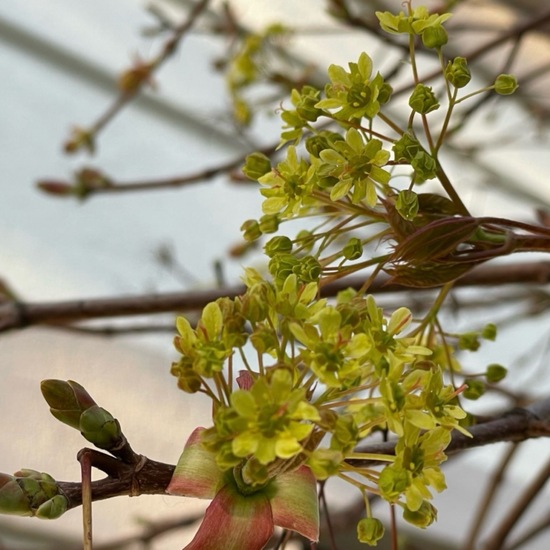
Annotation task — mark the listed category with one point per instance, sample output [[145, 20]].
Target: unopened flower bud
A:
[[423, 100], [353, 249], [269, 223], [256, 165], [251, 229], [277, 245], [495, 373], [423, 517], [506, 84], [310, 269], [457, 72], [370, 531], [434, 36]]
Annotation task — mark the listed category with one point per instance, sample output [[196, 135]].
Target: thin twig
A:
[[500, 533], [168, 49], [151, 477], [489, 495]]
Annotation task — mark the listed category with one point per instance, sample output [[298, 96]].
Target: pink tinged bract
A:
[[235, 521], [196, 474], [295, 505]]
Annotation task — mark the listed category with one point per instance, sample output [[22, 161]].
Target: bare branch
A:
[[17, 315]]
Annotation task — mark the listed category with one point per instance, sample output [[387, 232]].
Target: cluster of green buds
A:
[[31, 493]]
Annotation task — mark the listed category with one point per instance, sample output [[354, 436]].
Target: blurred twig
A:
[[18, 315]]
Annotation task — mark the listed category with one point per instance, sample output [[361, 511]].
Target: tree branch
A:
[[150, 477], [18, 315]]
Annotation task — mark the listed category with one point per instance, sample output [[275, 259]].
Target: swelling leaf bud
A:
[[58, 188], [12, 497], [53, 508], [67, 400], [100, 428]]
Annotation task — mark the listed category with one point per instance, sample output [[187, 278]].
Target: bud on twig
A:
[[31, 493], [71, 404]]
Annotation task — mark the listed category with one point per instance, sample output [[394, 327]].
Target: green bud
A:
[[325, 463], [353, 249], [469, 341], [100, 428], [392, 482], [384, 93], [321, 141], [305, 103], [405, 148], [254, 303], [489, 332], [53, 508], [423, 100], [256, 165], [474, 389], [345, 433], [251, 229], [506, 84], [407, 204], [283, 265], [269, 223], [495, 373], [264, 340], [277, 245], [12, 497], [188, 380], [423, 517], [424, 166], [29, 493], [434, 36], [370, 531], [67, 400], [457, 72], [310, 269]]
